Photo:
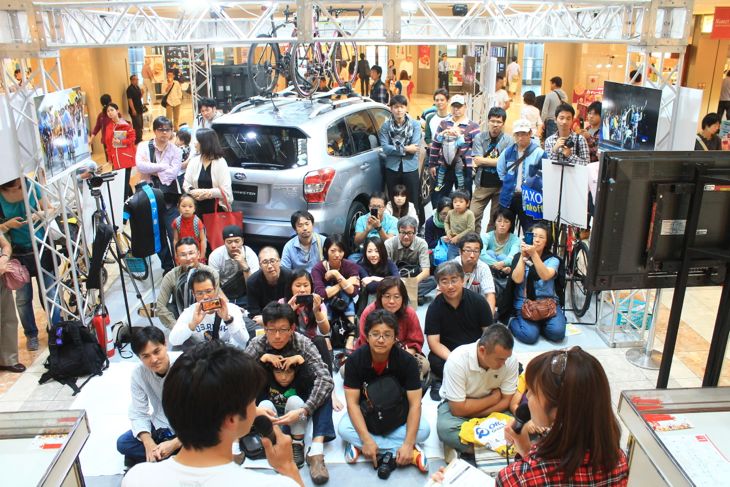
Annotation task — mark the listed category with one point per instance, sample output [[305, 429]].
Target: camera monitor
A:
[[642, 208], [629, 116]]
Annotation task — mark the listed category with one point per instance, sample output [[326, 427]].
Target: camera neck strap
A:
[[216, 327]]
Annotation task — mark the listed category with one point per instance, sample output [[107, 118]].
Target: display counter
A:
[[41, 448], [677, 437]]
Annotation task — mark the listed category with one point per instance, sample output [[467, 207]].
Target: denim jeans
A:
[[390, 442], [24, 303], [528, 332], [129, 446], [322, 424]]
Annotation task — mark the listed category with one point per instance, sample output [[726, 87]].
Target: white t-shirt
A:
[[480, 281], [234, 333], [464, 378], [170, 473], [501, 98], [219, 256], [532, 114]]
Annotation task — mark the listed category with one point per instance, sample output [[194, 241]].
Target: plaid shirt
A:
[[592, 141], [300, 345], [471, 132], [379, 92], [580, 155], [533, 471]]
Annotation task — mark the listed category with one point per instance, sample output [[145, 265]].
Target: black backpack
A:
[[73, 353], [384, 405]]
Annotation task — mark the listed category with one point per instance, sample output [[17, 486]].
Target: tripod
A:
[[100, 217]]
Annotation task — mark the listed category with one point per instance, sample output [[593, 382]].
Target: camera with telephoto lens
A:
[[386, 465]]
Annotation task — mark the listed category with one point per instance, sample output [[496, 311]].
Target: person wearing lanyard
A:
[[515, 165]]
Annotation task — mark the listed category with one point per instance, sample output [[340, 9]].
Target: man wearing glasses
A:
[[376, 223], [212, 317], [267, 284], [283, 347], [480, 378], [477, 275], [177, 283], [410, 254], [456, 317]]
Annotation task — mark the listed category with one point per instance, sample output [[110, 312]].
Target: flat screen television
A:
[[642, 206], [63, 129], [629, 116]]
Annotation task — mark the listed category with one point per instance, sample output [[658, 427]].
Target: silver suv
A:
[[294, 154]]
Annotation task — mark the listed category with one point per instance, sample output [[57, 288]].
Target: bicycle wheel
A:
[[342, 53], [579, 295], [263, 65], [306, 67]]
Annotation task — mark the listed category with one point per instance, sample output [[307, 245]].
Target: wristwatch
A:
[[228, 321], [245, 269], [303, 415]]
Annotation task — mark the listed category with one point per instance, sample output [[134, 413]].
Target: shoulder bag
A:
[[163, 101], [215, 222], [383, 404], [538, 309]]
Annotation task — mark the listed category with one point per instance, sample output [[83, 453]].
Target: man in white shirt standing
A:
[[210, 399], [479, 379], [212, 317], [513, 73], [150, 438]]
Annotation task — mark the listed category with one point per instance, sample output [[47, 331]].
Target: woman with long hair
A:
[[207, 177], [399, 204], [376, 265]]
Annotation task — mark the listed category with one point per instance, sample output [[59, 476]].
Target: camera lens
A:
[[386, 465]]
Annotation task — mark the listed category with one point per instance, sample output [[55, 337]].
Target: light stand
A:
[[100, 216]]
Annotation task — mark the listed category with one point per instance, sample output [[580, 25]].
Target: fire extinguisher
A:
[[103, 329]]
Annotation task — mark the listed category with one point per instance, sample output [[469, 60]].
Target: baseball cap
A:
[[231, 231], [521, 125], [457, 100]]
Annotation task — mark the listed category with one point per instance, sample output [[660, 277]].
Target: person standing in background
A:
[[8, 318], [102, 120], [513, 73], [553, 99], [708, 139], [531, 113], [363, 71], [148, 81], [501, 97], [444, 72], [591, 132], [173, 92], [723, 106], [134, 101]]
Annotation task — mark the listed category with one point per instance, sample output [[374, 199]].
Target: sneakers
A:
[[297, 448], [438, 188], [317, 469], [420, 460], [352, 453], [32, 344]]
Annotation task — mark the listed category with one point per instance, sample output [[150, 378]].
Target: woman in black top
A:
[[382, 365], [207, 177], [376, 265]]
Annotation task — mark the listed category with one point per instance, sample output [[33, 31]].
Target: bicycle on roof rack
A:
[[303, 64]]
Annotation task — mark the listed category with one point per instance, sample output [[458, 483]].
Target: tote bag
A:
[[215, 222]]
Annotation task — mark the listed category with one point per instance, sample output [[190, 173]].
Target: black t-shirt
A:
[[461, 325], [260, 293], [134, 93], [401, 365], [138, 210]]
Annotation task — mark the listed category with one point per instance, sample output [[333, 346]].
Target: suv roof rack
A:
[[260, 100], [327, 104]]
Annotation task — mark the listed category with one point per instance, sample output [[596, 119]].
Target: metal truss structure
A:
[[60, 24], [61, 194]]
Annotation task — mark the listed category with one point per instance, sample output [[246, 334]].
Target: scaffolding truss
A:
[[214, 22]]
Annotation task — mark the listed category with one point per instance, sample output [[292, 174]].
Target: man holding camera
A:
[[564, 146], [210, 318], [151, 438]]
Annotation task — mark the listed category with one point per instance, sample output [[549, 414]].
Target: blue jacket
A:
[[531, 171], [393, 154]]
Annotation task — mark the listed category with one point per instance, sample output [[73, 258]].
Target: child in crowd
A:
[[530, 112], [182, 140], [459, 221], [189, 225], [287, 391], [399, 206], [450, 145]]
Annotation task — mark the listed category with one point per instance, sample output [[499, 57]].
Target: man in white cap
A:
[[466, 131], [516, 165]]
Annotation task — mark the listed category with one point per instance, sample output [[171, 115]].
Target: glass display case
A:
[[41, 448], [677, 437]]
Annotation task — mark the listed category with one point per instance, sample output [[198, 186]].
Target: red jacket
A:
[[121, 157], [409, 329]]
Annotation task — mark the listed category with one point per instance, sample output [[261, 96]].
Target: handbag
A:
[[16, 275], [215, 222], [384, 405], [538, 309], [163, 101]]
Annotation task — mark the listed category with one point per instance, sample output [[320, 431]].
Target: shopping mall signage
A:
[[721, 24]]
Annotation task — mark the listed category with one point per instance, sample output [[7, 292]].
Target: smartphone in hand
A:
[[528, 238], [374, 213], [305, 299], [211, 304]]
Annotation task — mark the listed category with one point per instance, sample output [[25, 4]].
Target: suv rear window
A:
[[263, 147]]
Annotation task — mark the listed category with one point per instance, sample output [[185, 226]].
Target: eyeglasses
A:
[[454, 281], [269, 262], [163, 130], [376, 207], [392, 297], [385, 336], [470, 251], [407, 234], [204, 293], [277, 331], [558, 364]]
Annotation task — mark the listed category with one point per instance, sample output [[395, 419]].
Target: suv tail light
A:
[[317, 183]]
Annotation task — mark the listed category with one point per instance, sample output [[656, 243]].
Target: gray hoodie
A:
[[552, 100]]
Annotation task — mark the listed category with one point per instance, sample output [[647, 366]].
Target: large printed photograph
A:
[[63, 129]]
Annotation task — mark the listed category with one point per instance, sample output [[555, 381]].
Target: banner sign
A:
[[532, 202], [721, 23]]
